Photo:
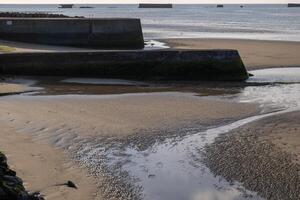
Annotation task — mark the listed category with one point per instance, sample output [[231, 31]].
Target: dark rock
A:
[[71, 184], [11, 186]]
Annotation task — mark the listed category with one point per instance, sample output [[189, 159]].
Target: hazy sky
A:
[[146, 1]]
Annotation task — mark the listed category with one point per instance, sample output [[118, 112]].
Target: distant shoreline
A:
[[34, 15]]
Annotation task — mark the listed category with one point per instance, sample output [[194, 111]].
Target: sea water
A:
[[264, 22]]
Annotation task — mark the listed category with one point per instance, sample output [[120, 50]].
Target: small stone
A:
[[71, 184]]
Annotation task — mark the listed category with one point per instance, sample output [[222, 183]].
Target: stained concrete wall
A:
[[98, 33], [161, 64]]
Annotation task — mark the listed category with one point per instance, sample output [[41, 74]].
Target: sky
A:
[[144, 1]]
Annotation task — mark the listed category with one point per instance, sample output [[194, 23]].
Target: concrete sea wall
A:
[[151, 5], [291, 5], [97, 33], [131, 64]]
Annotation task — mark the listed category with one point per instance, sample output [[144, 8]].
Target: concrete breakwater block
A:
[[153, 5], [130, 64], [96, 33]]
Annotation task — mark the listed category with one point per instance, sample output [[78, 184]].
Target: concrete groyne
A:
[[293, 5], [130, 64], [66, 6], [151, 5], [96, 33]]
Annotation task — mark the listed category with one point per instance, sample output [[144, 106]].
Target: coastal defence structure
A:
[[66, 6], [151, 5], [82, 32], [220, 65], [294, 5]]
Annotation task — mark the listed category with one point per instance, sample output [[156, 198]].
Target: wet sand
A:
[[255, 54], [49, 125], [62, 121], [263, 155], [122, 114], [44, 168], [11, 88]]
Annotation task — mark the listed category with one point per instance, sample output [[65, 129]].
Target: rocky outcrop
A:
[[11, 186]]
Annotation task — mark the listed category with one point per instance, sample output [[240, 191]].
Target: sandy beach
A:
[[264, 155], [10, 88], [43, 168], [210, 110], [52, 127], [55, 121], [123, 114]]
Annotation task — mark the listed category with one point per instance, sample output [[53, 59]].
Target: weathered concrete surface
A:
[[97, 33], [131, 64]]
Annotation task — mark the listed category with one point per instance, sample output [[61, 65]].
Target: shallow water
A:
[[275, 75], [283, 91]]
